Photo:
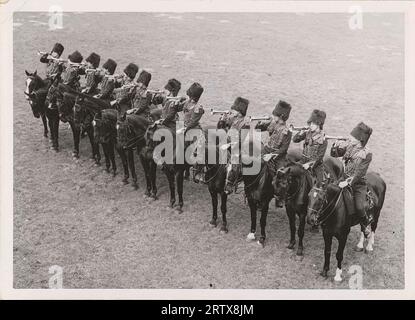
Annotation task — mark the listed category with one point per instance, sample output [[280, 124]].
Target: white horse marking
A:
[[370, 241], [28, 81], [338, 276], [362, 239], [250, 236]]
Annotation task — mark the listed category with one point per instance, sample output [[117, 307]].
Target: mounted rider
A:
[[73, 70], [92, 75], [124, 88], [356, 159], [53, 66], [142, 99], [107, 83], [315, 143]]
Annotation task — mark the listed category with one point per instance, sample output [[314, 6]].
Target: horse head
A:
[[233, 171]]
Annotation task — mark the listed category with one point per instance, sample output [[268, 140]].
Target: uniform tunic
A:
[[356, 161], [106, 87], [70, 76], [53, 67], [92, 80], [141, 102]]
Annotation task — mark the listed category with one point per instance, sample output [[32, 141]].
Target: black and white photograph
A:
[[207, 150]]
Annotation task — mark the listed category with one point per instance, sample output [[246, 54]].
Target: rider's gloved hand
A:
[[343, 184]]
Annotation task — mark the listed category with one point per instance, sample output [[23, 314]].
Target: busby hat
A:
[[94, 59], [131, 70], [282, 110], [144, 77], [75, 57], [58, 48], [173, 86], [318, 117], [195, 91], [362, 133], [110, 65], [241, 105]]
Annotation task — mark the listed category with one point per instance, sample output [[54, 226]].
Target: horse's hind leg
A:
[[328, 238], [339, 256], [301, 235], [94, 146], [171, 178], [153, 178], [252, 208], [263, 222], [105, 147], [124, 162], [223, 201], [214, 197], [76, 132], [179, 181], [111, 153], [146, 168], [291, 220], [132, 167], [45, 125]]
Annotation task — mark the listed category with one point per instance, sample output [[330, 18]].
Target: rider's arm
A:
[[299, 136], [44, 58], [339, 148], [362, 164], [285, 142], [196, 116]]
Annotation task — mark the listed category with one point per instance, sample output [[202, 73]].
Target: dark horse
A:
[[328, 208], [215, 179], [61, 99], [105, 133], [131, 130], [85, 108], [287, 184], [258, 191], [36, 91]]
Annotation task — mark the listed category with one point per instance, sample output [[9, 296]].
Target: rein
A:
[[324, 219], [221, 167]]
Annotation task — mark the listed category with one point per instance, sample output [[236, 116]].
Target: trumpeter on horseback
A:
[[141, 97], [92, 74], [122, 94], [53, 65], [107, 83], [356, 159]]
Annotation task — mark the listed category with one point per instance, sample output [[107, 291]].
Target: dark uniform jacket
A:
[[192, 112], [315, 146], [92, 78], [106, 87], [141, 102], [279, 137], [169, 113], [71, 75], [356, 160], [53, 67]]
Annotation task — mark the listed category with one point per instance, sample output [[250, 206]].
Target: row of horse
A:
[[322, 204]]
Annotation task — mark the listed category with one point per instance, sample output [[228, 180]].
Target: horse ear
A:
[[35, 73], [27, 73]]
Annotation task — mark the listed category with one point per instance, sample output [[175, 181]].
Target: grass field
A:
[[106, 235]]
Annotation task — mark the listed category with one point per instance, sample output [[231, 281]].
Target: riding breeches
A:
[[359, 194]]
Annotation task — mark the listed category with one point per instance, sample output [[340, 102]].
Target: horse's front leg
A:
[[94, 146], [223, 201], [153, 178], [45, 125], [132, 167], [124, 162], [146, 168], [76, 132], [214, 197], [263, 222], [172, 186], [179, 181], [339, 256], [291, 219], [301, 228], [252, 207], [53, 121], [105, 147], [328, 237], [111, 153]]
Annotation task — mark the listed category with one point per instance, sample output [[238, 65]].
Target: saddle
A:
[[349, 201]]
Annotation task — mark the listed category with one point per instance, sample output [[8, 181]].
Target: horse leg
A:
[[252, 207], [146, 168], [263, 222], [223, 201], [153, 176], [171, 178], [94, 146], [105, 147], [214, 197], [291, 220], [132, 167], [124, 162], [360, 244], [76, 132], [301, 234], [53, 120], [328, 238], [339, 256], [179, 182], [111, 153], [45, 125]]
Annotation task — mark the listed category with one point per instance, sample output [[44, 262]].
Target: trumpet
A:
[[114, 76], [155, 91], [298, 128], [335, 138], [221, 112], [174, 98], [259, 118]]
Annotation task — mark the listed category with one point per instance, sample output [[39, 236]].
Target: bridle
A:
[[324, 205]]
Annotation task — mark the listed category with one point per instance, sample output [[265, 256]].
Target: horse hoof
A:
[[300, 252], [125, 181], [261, 242], [358, 249], [324, 274], [291, 245], [368, 250], [114, 173], [223, 229], [75, 155], [135, 186], [178, 209], [154, 197], [213, 223], [147, 194], [107, 170], [250, 237]]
